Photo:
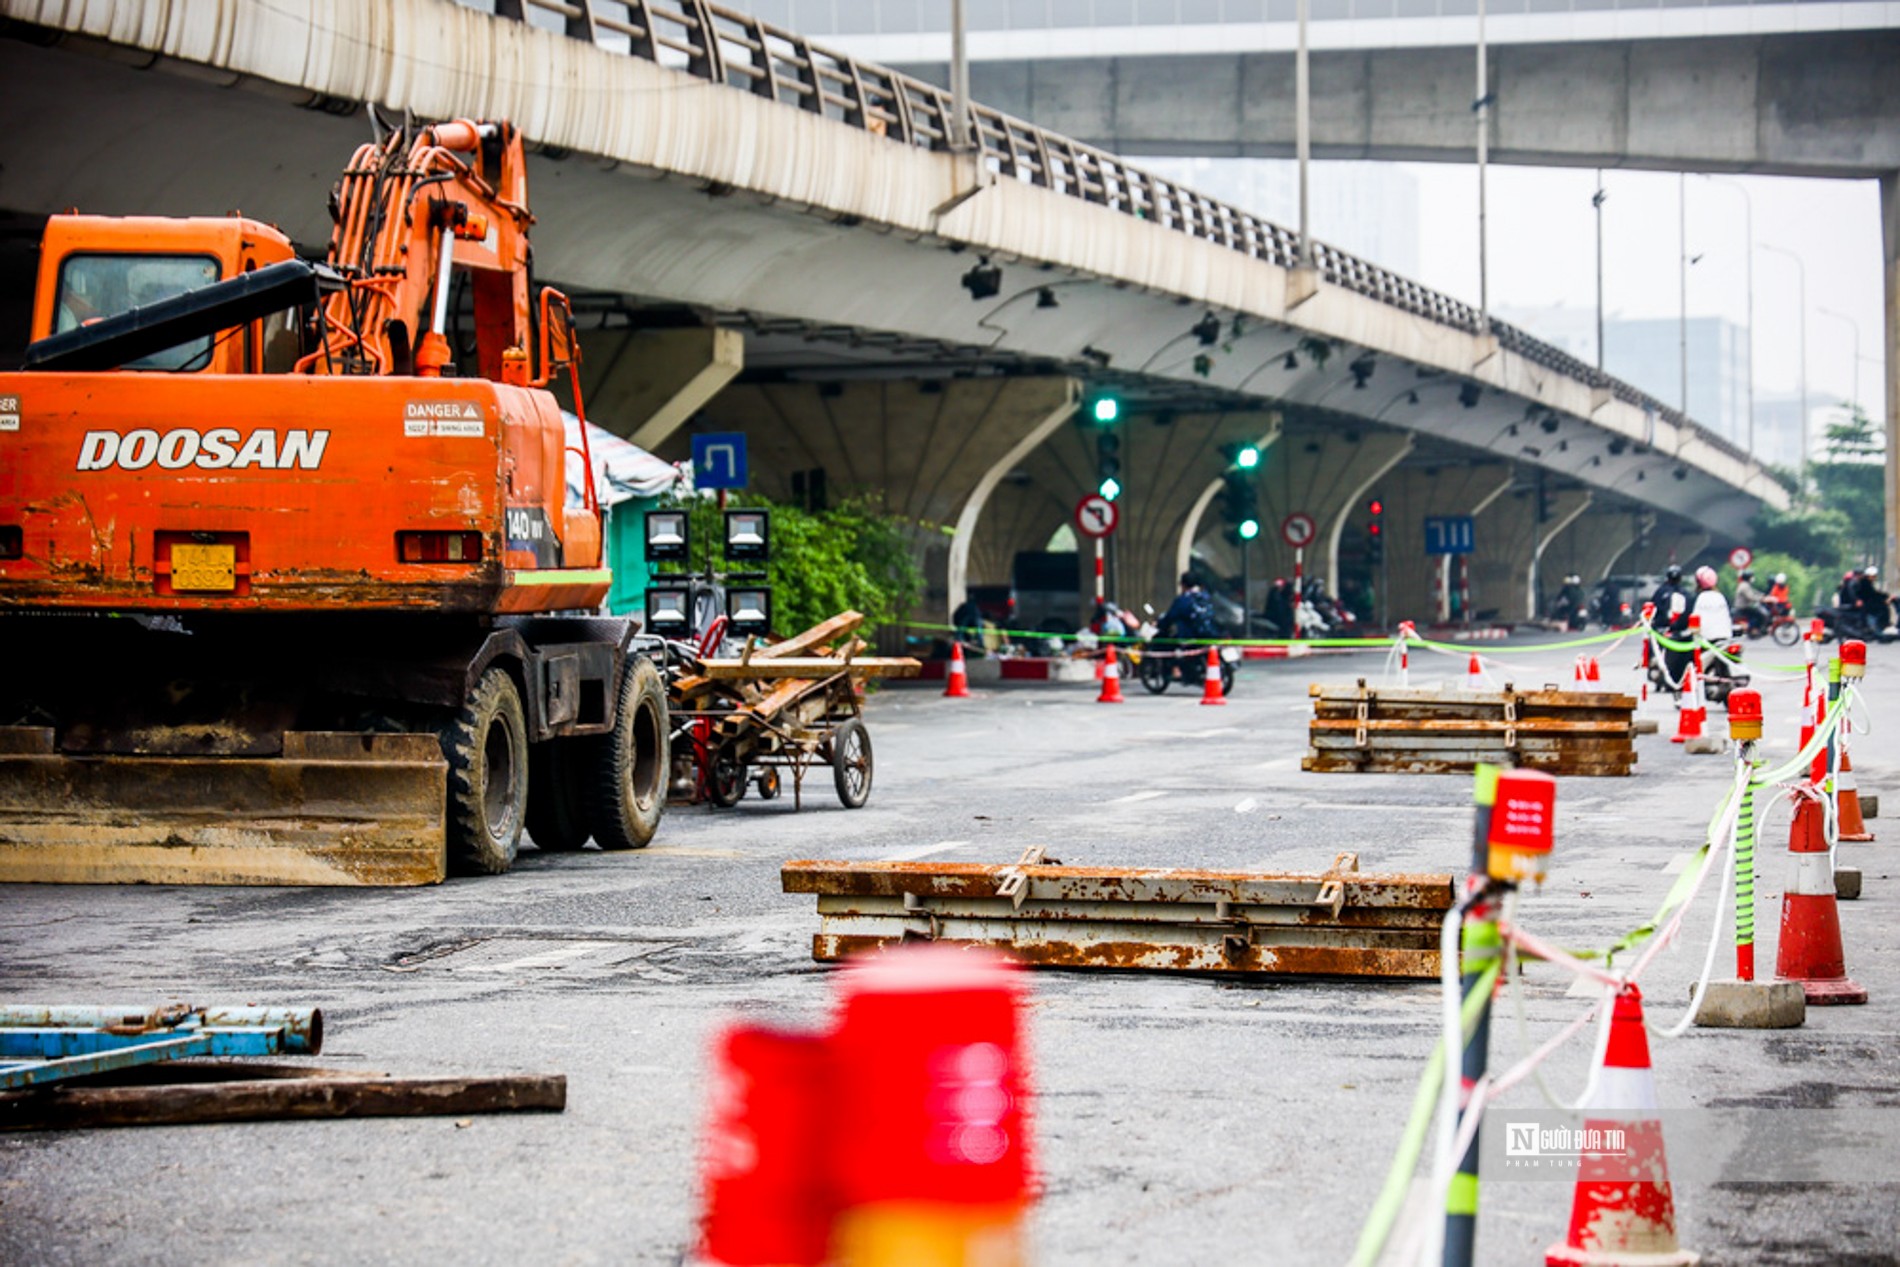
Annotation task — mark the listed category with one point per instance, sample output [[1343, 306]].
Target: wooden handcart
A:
[[779, 707]]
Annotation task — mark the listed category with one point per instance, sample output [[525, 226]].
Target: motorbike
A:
[[1161, 667], [1851, 622], [1773, 620], [1720, 674]]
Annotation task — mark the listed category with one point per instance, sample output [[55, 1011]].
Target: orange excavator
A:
[[291, 588]]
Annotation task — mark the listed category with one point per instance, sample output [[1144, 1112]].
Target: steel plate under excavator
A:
[[1339, 923], [334, 809]]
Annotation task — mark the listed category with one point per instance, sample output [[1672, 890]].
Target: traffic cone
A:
[[1592, 671], [1111, 680], [1623, 1213], [1576, 675], [1851, 826], [1210, 686], [1694, 712], [958, 684], [1810, 950], [1474, 674]]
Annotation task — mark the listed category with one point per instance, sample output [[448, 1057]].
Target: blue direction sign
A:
[[719, 460], [1448, 534]]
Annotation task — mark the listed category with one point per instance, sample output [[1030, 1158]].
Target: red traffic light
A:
[[1375, 507], [1374, 529]]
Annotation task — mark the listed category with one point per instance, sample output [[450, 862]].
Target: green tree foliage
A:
[[1839, 521], [851, 557]]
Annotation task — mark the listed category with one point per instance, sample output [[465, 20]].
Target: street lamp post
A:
[[1303, 135], [1855, 327], [1596, 200], [1748, 221], [960, 138], [1801, 271], [1482, 107]]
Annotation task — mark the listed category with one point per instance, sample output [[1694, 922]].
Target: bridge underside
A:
[[866, 355]]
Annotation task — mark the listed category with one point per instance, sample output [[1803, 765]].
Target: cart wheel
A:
[[768, 785], [726, 784], [851, 763]]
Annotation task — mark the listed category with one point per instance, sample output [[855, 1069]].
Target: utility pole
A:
[[1597, 200], [1801, 272], [1855, 327], [1483, 109], [960, 139], [1682, 273], [1303, 135]]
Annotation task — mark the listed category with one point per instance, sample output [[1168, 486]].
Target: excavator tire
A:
[[487, 750], [557, 795], [627, 793]]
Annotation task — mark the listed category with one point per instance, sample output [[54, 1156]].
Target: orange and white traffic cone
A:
[[1692, 715], [1810, 949], [1111, 680], [1592, 672], [958, 684], [1210, 686], [1474, 674], [1852, 826], [1623, 1213]]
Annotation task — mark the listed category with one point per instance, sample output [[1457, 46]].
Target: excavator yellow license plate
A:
[[210, 568]]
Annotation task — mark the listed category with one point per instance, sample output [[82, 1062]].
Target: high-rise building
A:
[[1647, 354]]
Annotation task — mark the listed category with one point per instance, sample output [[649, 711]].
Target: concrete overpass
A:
[[722, 180]]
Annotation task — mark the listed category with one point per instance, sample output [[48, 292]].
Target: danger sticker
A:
[[442, 418], [9, 413]]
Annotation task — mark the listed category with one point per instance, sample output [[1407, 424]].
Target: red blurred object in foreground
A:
[[931, 1155], [767, 1201]]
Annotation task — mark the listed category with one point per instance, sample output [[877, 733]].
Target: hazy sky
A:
[[1543, 252]]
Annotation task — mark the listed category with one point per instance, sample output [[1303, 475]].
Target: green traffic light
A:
[[1111, 488], [1107, 409], [1247, 458], [1249, 529]]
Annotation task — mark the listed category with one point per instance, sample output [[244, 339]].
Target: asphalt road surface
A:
[[1178, 1120]]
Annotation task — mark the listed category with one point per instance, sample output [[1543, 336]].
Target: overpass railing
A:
[[742, 52]]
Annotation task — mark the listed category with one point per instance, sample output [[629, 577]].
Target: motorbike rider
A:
[[1873, 601], [1672, 621], [1279, 608], [1711, 609], [1569, 605], [1189, 618], [1778, 600], [1750, 603]]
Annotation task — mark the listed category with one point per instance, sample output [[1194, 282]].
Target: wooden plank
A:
[[1534, 725], [810, 668], [277, 1098], [1425, 695], [819, 634], [1440, 763]]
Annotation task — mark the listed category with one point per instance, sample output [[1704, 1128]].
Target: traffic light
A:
[[1240, 505], [1248, 457], [1375, 531], [1106, 410], [1108, 464]]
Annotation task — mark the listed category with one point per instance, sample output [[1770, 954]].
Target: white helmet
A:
[[1871, 572], [1781, 578]]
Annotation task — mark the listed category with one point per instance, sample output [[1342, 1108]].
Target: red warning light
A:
[[1374, 530], [1375, 507]]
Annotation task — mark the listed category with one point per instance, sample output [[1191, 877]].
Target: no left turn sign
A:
[[1298, 530], [1096, 516], [1740, 557]]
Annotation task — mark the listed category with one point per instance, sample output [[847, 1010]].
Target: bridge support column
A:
[[652, 381], [1382, 453], [1419, 584], [1890, 290], [1166, 459], [933, 451], [1567, 508]]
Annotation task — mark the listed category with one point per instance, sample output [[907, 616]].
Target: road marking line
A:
[[1132, 797], [683, 851], [915, 852], [1246, 806], [546, 959]]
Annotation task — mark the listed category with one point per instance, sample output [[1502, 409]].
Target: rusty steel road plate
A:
[[1339, 923]]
